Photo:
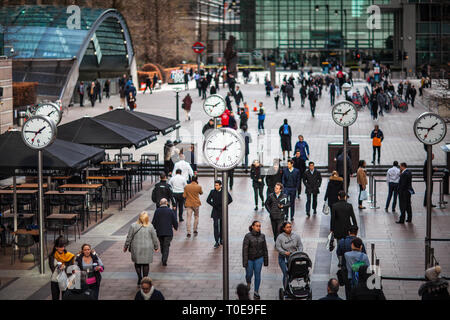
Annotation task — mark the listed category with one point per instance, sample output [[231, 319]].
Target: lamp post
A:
[[345, 35], [177, 91], [346, 87]]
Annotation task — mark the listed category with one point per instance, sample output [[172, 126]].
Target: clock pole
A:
[[428, 262], [224, 235], [215, 127], [41, 214], [345, 158]]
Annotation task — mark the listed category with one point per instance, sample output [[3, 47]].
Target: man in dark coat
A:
[[312, 180], [342, 217], [299, 163], [163, 190], [425, 176], [238, 97], [208, 126], [274, 176], [228, 101], [340, 165], [276, 204], [312, 97], [291, 180], [98, 90], [164, 220], [290, 93], [215, 200], [404, 193], [285, 133], [332, 290]]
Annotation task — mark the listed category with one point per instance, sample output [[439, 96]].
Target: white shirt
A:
[[186, 170], [393, 175], [178, 182]]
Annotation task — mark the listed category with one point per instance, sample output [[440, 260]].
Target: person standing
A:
[[215, 200], [254, 255], [238, 97], [355, 256], [312, 180], [257, 182], [164, 220], [276, 96], [287, 243], [299, 164], [169, 150], [177, 183], [303, 95], [261, 118], [131, 101], [361, 179], [392, 180], [283, 92], [285, 133], [374, 105], [106, 88], [192, 194], [412, 94], [91, 93], [141, 241], [98, 91], [58, 262], [377, 137], [187, 104], [335, 184], [148, 85], [228, 101], [247, 139], [186, 80], [340, 165], [332, 93], [148, 291], [186, 169], [163, 190], [81, 91], [290, 93], [155, 80], [405, 191], [342, 217], [291, 180], [425, 175], [87, 260]]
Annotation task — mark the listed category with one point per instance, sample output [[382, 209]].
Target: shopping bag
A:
[[330, 242], [326, 208], [62, 280], [363, 195]]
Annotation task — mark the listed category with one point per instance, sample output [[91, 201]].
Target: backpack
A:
[[355, 270], [285, 129]]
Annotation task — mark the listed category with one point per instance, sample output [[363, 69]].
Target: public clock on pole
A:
[[344, 113], [214, 106], [39, 132], [430, 128], [224, 148], [50, 110]]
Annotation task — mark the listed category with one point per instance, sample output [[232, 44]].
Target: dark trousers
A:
[[164, 242], [180, 204], [261, 124], [107, 93], [332, 99], [405, 205], [56, 294], [303, 101], [393, 191], [308, 202], [425, 197], [276, 102], [95, 287], [81, 100], [313, 107], [289, 100], [276, 224], [258, 190], [290, 192], [217, 229], [230, 180], [374, 152], [359, 195]]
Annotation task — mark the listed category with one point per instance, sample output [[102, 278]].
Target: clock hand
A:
[[50, 113], [432, 127], [214, 148], [36, 133], [224, 148], [30, 131]]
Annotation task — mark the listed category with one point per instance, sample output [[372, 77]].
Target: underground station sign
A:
[[198, 47]]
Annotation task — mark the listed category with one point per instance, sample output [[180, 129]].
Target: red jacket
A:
[[225, 118]]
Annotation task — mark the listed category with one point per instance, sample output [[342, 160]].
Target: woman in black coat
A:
[[254, 254], [87, 260], [335, 185], [258, 183]]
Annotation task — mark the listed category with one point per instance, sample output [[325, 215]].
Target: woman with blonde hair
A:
[[335, 185], [141, 241]]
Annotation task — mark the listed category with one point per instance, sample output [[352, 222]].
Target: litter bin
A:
[[333, 149], [21, 118]]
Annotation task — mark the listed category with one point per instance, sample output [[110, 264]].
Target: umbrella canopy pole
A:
[[49, 181], [41, 213], [15, 204], [121, 162]]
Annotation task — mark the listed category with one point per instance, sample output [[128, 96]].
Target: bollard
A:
[[374, 203], [441, 194], [372, 248], [370, 188]]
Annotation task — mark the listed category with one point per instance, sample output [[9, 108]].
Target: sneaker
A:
[[386, 209], [256, 296], [216, 245], [181, 220], [308, 214], [188, 235], [315, 212], [164, 264], [195, 233], [393, 210], [256, 209]]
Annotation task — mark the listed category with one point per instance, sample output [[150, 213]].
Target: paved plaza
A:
[[194, 266]]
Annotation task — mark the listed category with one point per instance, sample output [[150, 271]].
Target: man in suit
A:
[[291, 180], [404, 193], [342, 217], [312, 180], [164, 220], [215, 200]]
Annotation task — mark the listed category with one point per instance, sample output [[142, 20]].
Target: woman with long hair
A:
[[87, 260], [141, 241], [58, 261], [361, 178], [258, 182], [335, 184]]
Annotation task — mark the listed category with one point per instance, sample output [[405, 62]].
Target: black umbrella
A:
[[141, 120], [104, 134]]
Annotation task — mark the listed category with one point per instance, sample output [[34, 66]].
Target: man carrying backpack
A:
[[312, 96], [354, 260], [286, 136]]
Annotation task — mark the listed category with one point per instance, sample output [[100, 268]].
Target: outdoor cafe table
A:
[[29, 186], [120, 179], [84, 194], [128, 172], [136, 170], [97, 187]]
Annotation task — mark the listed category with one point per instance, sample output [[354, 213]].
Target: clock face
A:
[[214, 106], [50, 110], [224, 148], [344, 113], [430, 128], [39, 132]]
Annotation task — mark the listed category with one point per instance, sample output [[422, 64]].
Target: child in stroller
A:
[[297, 284]]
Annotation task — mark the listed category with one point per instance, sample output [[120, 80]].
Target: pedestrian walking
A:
[[148, 291], [276, 204], [254, 255], [435, 287], [340, 165], [131, 101], [273, 176], [186, 80], [257, 182], [177, 183], [122, 94], [261, 118], [276, 95], [342, 217], [268, 87], [141, 241], [98, 91], [303, 95], [285, 133], [238, 97], [335, 184], [312, 180], [287, 243], [192, 203], [243, 118], [247, 140], [412, 94], [186, 106], [361, 179], [59, 260], [290, 93], [405, 191], [374, 105], [392, 180], [332, 290], [186, 169], [228, 101], [291, 180], [303, 146], [155, 80], [163, 190], [92, 93], [312, 96], [87, 260], [425, 177], [81, 91], [169, 151], [332, 93], [215, 200], [225, 118], [300, 164], [283, 92], [353, 259], [148, 85], [106, 88], [164, 221]]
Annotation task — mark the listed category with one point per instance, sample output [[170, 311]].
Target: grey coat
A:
[[143, 244]]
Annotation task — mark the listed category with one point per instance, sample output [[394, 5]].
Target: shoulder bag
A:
[[132, 238]]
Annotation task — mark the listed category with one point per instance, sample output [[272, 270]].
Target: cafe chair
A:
[[6, 202], [24, 242]]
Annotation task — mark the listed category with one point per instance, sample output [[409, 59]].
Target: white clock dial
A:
[[50, 110], [224, 148], [39, 132], [214, 106], [430, 128], [344, 113]]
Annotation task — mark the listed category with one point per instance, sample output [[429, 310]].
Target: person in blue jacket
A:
[[291, 180]]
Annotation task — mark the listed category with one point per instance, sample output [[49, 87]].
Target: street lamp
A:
[[177, 91]]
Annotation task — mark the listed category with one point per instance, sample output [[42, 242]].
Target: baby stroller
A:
[[357, 100], [297, 284], [366, 96], [399, 103]]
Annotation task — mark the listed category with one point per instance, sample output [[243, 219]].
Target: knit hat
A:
[[432, 274]]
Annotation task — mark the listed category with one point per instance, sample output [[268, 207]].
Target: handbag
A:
[[340, 274], [132, 238], [363, 195], [330, 242], [326, 208], [62, 280]]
